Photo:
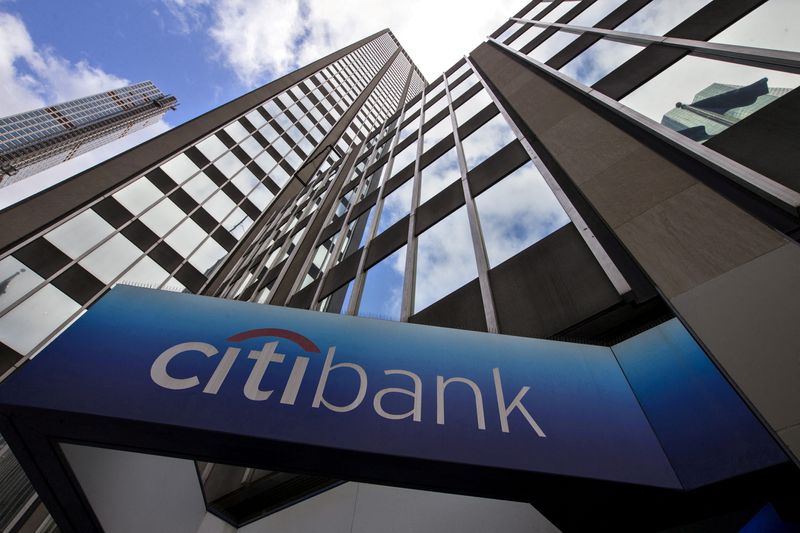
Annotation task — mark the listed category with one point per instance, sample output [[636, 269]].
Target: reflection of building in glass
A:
[[496, 198], [719, 106], [35, 140]]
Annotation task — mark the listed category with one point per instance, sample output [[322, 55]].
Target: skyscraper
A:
[[530, 190], [38, 139]]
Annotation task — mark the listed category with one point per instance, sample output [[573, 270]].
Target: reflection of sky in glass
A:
[[38, 316], [535, 10], [552, 46], [774, 25], [683, 80], [469, 108], [445, 259], [506, 34], [405, 157], [17, 280], [596, 12], [441, 130], [463, 87], [660, 16], [594, 63], [526, 37], [559, 10], [487, 140], [396, 205], [339, 300], [438, 175], [383, 288], [516, 212], [437, 106]]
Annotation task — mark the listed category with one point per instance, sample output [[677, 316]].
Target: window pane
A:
[[228, 164], [596, 12], [186, 237], [80, 233], [526, 37], [487, 140], [245, 181], [179, 168], [597, 61], [660, 16], [438, 175], [16, 280], [260, 196], [219, 205], [200, 187], [559, 10], [516, 212], [146, 272], [404, 158], [774, 25], [236, 131], [469, 108], [206, 258], [138, 195], [162, 217], [396, 206], [212, 147], [434, 135], [38, 316], [383, 288], [711, 95], [110, 259], [552, 46], [445, 259], [339, 300]]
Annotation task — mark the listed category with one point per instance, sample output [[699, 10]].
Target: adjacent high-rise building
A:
[[530, 190], [38, 139]]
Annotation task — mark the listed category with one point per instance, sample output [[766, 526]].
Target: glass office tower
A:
[[529, 190], [35, 140]]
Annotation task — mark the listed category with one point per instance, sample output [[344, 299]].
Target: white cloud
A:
[[260, 39], [32, 76]]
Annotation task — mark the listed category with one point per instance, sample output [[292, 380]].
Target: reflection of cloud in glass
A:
[[660, 16], [469, 108], [383, 288], [445, 259], [396, 205], [487, 140], [559, 10], [526, 37], [441, 130], [683, 80], [438, 175], [516, 212], [596, 12], [552, 45], [773, 25], [598, 60]]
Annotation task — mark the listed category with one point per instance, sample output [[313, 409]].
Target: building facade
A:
[[35, 140], [530, 190]]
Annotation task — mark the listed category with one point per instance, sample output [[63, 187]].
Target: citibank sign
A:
[[268, 356]]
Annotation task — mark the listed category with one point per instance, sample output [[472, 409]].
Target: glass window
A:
[[38, 316], [383, 288], [660, 16], [516, 212], [228, 164], [111, 258], [436, 107], [437, 133], [407, 156], [251, 147], [212, 147], [445, 259], [146, 272], [79, 233], [200, 187], [179, 168], [463, 87], [357, 233], [597, 61], [206, 258], [186, 237], [339, 300], [774, 25], [279, 175], [486, 141], [317, 265], [256, 118], [459, 71], [396, 205], [596, 12], [469, 108], [409, 128], [269, 133], [162, 217], [138, 195], [510, 31], [219, 205], [16, 279], [237, 223], [711, 95], [535, 10], [559, 10], [265, 161], [245, 181], [552, 46], [525, 38], [260, 196], [438, 175]]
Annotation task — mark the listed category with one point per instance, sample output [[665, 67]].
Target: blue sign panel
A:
[[355, 384]]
